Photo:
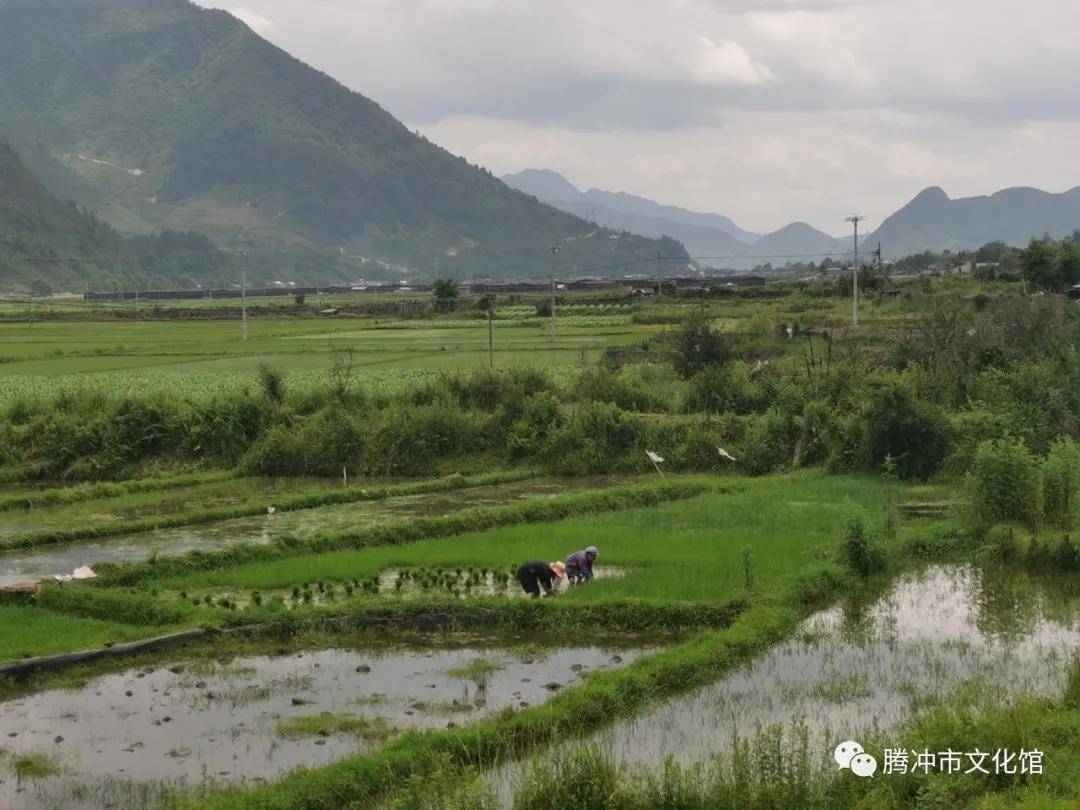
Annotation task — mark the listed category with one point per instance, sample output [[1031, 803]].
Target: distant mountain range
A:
[[159, 114], [706, 236], [931, 221]]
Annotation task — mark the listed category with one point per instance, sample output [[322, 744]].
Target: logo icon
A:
[[849, 754]]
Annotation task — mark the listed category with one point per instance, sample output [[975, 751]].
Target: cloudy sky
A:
[[767, 111]]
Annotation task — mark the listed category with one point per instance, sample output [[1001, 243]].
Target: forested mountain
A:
[[933, 221], [48, 244], [174, 116]]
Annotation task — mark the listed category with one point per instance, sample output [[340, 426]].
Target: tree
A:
[[912, 434], [698, 345], [1069, 263], [1039, 265], [446, 293]]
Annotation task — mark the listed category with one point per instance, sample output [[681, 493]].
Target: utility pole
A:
[[659, 286], [855, 220], [243, 292], [554, 323], [491, 333]]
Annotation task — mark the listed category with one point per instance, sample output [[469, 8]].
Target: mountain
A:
[[640, 206], [708, 237], [797, 242], [167, 115], [702, 234], [934, 221], [47, 244]]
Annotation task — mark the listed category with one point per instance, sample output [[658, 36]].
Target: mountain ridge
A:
[[177, 116]]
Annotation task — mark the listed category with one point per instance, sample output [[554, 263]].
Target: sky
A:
[[766, 111]]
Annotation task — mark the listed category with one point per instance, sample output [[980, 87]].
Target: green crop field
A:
[[369, 470]]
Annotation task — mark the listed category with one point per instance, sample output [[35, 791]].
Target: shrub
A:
[[410, 441], [697, 345], [594, 440], [1005, 483], [1061, 477], [724, 389], [769, 443], [914, 434], [856, 550]]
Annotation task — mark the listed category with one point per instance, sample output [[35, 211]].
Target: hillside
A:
[[180, 117], [50, 244], [934, 221]]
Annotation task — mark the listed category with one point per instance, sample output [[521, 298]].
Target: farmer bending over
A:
[[579, 565], [532, 575]]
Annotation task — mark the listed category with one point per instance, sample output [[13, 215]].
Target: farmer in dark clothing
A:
[[532, 575], [579, 565]]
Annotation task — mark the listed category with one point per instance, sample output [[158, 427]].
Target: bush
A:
[[698, 345], [1061, 477], [1005, 483], [914, 434], [594, 440], [769, 443], [539, 416], [856, 549], [724, 389], [411, 441]]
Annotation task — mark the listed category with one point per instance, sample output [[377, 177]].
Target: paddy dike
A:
[[41, 562]]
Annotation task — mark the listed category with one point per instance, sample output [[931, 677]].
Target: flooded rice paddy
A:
[[45, 561], [461, 583], [123, 739], [860, 670]]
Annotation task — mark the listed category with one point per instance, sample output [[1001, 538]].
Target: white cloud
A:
[[765, 110], [727, 63]]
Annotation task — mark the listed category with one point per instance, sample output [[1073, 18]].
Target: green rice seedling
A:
[[34, 766], [368, 729]]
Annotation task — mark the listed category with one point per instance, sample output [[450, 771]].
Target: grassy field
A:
[[194, 354]]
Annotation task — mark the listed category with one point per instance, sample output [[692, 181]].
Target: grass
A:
[[326, 495], [34, 766], [685, 551], [38, 498], [326, 723], [478, 669], [31, 630]]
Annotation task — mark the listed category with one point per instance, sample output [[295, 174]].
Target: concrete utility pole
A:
[[491, 334], [554, 323], [855, 220], [243, 293], [659, 286]]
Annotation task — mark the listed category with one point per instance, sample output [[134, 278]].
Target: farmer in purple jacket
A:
[[579, 565]]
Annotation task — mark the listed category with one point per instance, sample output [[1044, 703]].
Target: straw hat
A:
[[559, 568]]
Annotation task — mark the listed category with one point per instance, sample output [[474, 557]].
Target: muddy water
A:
[[45, 561], [860, 670], [123, 738], [106, 511]]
